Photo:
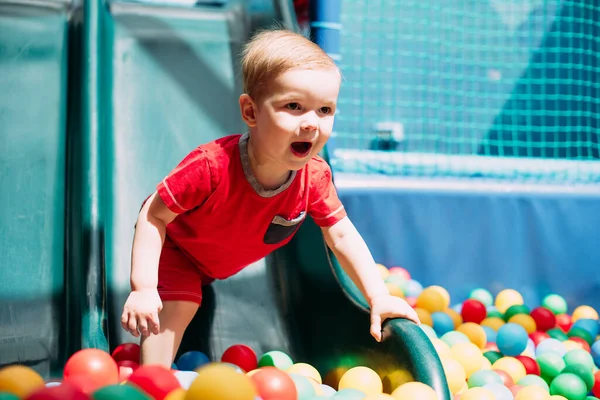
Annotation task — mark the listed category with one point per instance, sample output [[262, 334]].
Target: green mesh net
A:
[[492, 88]]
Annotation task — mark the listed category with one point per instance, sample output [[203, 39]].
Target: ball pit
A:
[[491, 348]]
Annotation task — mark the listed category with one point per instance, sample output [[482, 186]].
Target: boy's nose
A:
[[310, 122]]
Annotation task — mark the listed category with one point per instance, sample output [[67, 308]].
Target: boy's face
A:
[[293, 120]]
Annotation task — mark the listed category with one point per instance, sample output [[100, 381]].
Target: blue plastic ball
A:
[[511, 339], [442, 323], [192, 360]]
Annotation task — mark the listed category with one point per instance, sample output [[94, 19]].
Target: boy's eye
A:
[[293, 106], [325, 110]]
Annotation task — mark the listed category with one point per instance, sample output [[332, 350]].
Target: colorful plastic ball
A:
[[492, 356], [411, 301], [155, 380], [394, 290], [475, 333], [177, 394], [118, 392], [217, 381], [395, 378], [555, 303], [584, 312], [432, 300], [398, 281], [274, 384], [558, 334], [551, 365], [20, 380], [469, 356], [507, 298], [590, 325], [533, 380], [306, 388], [98, 366], [482, 295], [413, 288], [493, 322], [492, 312], [564, 322], [595, 352], [531, 366], [455, 315], [585, 374], [444, 294], [192, 360], [582, 342], [500, 391], [483, 377], [277, 359], [531, 393], [307, 371], [63, 391], [362, 378], [127, 351], [538, 337], [568, 385], [327, 391], [473, 311], [126, 368], [544, 318], [185, 378], [429, 331], [414, 390], [241, 355], [581, 333], [490, 334], [455, 374], [511, 339], [511, 366], [349, 394], [596, 387], [477, 393], [442, 348], [507, 380], [516, 309], [8, 396], [424, 316], [579, 357], [442, 323], [524, 320], [550, 346], [402, 272], [454, 337]]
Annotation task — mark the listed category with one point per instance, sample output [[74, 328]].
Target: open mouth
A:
[[301, 149]]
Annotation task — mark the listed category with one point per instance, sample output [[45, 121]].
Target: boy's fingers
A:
[[125, 320], [376, 327], [154, 323], [132, 325], [143, 326]]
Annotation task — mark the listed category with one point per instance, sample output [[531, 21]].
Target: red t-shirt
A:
[[227, 220]]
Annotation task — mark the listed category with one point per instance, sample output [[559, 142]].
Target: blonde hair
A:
[[271, 53]]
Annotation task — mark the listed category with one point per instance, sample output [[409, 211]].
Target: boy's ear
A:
[[248, 110]]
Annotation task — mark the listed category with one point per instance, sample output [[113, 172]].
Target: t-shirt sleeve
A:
[[325, 207], [189, 184]]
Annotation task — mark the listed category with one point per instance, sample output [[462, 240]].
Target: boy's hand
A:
[[388, 306], [140, 313]]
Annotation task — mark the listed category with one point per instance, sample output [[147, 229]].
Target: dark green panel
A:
[[33, 73]]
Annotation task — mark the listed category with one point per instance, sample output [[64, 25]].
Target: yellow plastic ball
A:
[[414, 391], [394, 290], [444, 294], [306, 370], [572, 345], [383, 271], [218, 381], [455, 374], [456, 317], [493, 322], [317, 386], [557, 397], [396, 378], [333, 376], [532, 392], [432, 300], [463, 389], [478, 393], [468, 355], [584, 312], [511, 366], [20, 380], [486, 364], [507, 298], [424, 316], [177, 394], [526, 321], [442, 348], [474, 332], [362, 378], [380, 396]]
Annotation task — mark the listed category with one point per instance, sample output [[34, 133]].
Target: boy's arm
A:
[[355, 258], [140, 312]]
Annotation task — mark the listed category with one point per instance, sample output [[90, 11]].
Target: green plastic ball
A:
[[482, 295], [277, 359], [516, 309], [558, 334], [533, 380], [570, 386], [555, 303]]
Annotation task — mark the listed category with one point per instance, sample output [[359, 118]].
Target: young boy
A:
[[232, 201]]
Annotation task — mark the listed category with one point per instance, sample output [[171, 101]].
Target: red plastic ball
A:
[[507, 379], [596, 387], [538, 337], [473, 311], [544, 318], [401, 272], [531, 366], [126, 368], [155, 380], [584, 344], [127, 351], [412, 301], [564, 322], [242, 356], [84, 383], [65, 391], [94, 364], [274, 384]]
